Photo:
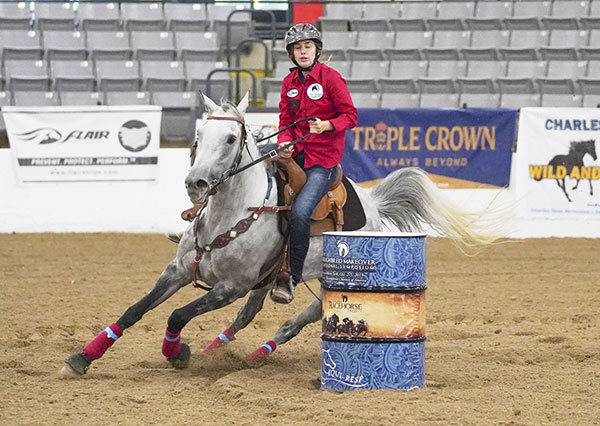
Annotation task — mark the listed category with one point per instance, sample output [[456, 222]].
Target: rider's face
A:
[[304, 53]]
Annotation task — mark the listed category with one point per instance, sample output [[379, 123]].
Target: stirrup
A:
[[284, 291]]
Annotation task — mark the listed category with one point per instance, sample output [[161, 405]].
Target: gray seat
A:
[[339, 39], [417, 39], [64, 45], [593, 69], [519, 100], [240, 23], [564, 44], [375, 39], [451, 15], [366, 100], [27, 75], [591, 100], [337, 16], [79, 98], [163, 76], [485, 44], [153, 45], [104, 45], [556, 85], [54, 16], [15, 15], [361, 54], [5, 100], [447, 69], [21, 44], [527, 14], [143, 16], [414, 16], [197, 73], [178, 114], [486, 69], [398, 93], [592, 19], [186, 17], [361, 85], [408, 69], [524, 44], [437, 93], [518, 92], [364, 24], [561, 100], [72, 76], [523, 69], [34, 98], [385, 11], [126, 98], [589, 85], [489, 15], [567, 69], [99, 16], [115, 75], [343, 67], [565, 14], [369, 69], [456, 39], [198, 46], [282, 69], [327, 54]]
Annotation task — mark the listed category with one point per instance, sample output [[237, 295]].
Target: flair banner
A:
[[84, 144], [558, 170], [458, 148]]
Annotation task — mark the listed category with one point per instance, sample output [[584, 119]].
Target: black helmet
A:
[[301, 32]]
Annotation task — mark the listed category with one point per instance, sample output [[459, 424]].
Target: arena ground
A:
[[513, 338]]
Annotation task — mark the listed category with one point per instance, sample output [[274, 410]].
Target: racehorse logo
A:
[[343, 248], [42, 136], [570, 165]]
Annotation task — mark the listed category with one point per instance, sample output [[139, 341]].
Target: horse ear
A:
[[243, 105], [209, 104]]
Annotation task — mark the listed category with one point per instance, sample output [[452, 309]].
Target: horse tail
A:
[[409, 199]]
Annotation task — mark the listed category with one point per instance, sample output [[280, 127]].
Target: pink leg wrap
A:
[[96, 348], [259, 356], [222, 339], [171, 344]]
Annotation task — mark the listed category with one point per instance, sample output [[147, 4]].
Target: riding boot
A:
[[284, 291]]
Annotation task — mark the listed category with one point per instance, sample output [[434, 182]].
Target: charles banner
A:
[[557, 164], [84, 144], [458, 148]]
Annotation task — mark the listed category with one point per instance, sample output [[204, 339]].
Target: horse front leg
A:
[[221, 295], [591, 188], [172, 279], [252, 306], [287, 331]]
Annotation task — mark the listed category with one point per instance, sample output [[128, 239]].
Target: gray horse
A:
[[233, 249]]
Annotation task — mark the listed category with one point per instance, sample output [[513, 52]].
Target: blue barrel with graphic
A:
[[373, 311]]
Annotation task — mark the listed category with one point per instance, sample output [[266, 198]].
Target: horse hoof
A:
[[76, 365], [182, 359]]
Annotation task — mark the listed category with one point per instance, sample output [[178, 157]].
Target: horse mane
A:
[[229, 106], [574, 144]]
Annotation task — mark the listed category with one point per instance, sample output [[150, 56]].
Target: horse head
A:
[[218, 147], [585, 147]]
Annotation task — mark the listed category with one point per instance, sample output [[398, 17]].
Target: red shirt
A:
[[323, 95]]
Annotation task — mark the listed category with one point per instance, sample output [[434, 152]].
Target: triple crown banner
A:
[[458, 148], [83, 144], [558, 170]]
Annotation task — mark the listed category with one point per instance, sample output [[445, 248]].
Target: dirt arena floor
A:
[[513, 338]]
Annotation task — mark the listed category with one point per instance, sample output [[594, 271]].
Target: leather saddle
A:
[[329, 213]]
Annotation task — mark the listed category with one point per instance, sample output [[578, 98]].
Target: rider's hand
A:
[[319, 126], [285, 151]]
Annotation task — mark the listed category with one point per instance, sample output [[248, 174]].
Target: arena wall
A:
[[154, 207]]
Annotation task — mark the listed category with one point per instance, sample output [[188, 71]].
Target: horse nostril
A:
[[200, 183]]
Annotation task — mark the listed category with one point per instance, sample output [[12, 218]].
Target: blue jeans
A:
[[318, 181]]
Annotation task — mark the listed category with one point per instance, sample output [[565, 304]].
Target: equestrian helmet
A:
[[301, 32]]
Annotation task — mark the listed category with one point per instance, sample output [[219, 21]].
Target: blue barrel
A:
[[373, 311]]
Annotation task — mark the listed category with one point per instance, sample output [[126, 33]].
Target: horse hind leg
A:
[[287, 331], [563, 187], [252, 306]]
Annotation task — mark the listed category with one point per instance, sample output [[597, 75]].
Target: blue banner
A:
[[458, 148]]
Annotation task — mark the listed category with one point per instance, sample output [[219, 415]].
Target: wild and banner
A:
[[557, 163], [84, 144], [459, 148]]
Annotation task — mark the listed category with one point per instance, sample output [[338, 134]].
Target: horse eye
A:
[[231, 140]]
